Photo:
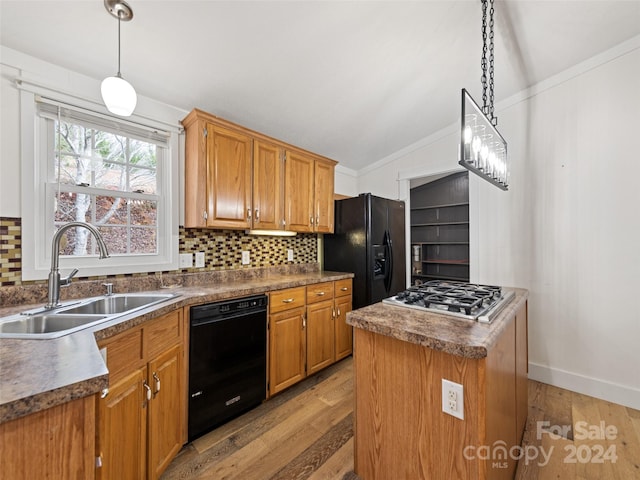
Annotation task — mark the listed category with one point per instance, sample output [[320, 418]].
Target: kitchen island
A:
[[401, 356]]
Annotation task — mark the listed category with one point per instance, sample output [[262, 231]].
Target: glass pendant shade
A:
[[118, 96]]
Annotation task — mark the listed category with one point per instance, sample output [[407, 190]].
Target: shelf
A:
[[442, 277], [438, 224], [447, 205], [439, 243], [447, 262]]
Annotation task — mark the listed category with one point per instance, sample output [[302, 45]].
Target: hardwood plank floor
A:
[[306, 433]]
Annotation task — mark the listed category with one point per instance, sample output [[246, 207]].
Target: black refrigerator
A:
[[369, 240]]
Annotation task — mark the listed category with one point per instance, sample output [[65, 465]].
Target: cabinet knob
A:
[[344, 289], [338, 311], [104, 393], [248, 214], [320, 294], [304, 321], [333, 313], [311, 220], [257, 215], [204, 215], [287, 300]]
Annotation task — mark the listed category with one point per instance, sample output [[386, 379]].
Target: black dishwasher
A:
[[227, 361]]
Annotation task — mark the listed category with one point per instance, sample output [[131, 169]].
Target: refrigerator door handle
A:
[[388, 275]]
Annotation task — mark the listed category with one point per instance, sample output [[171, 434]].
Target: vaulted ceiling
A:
[[353, 80]]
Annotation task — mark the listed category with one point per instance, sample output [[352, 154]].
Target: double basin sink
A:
[[71, 317]]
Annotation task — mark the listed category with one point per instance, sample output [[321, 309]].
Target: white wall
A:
[[86, 90], [568, 229]]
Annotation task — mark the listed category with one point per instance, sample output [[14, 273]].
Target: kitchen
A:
[[565, 230]]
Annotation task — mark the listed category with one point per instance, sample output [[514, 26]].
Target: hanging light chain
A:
[[494, 119], [483, 61]]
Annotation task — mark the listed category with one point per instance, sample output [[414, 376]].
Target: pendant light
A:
[[117, 94], [482, 149]]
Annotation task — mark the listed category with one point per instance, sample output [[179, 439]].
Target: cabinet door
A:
[[344, 332], [323, 195], [165, 421], [49, 444], [228, 178], [320, 336], [122, 423], [268, 197], [287, 349], [299, 191]]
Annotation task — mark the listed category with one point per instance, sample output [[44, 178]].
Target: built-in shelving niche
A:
[[440, 229]]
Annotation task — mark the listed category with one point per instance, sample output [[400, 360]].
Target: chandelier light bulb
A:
[[118, 96]]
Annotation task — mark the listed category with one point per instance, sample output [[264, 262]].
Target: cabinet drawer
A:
[[319, 292], [343, 287], [124, 354], [285, 299], [162, 333]]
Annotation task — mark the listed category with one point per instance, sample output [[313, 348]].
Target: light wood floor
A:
[[306, 433]]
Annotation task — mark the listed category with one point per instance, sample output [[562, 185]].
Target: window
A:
[[111, 173]]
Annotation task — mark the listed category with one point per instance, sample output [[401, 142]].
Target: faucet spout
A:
[[54, 275]]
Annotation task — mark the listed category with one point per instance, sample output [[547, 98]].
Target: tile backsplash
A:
[[222, 249]]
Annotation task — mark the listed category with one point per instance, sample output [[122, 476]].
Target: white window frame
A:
[[37, 220]]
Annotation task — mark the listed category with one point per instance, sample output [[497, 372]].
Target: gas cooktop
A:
[[458, 299]]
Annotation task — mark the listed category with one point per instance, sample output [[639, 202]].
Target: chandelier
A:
[[482, 148]]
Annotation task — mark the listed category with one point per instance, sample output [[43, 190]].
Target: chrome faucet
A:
[[55, 282]]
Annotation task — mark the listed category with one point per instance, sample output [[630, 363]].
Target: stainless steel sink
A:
[[47, 323], [114, 304], [69, 318]]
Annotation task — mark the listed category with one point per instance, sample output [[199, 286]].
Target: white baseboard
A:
[[611, 392]]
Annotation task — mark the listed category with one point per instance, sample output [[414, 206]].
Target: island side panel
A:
[[400, 429], [500, 396]]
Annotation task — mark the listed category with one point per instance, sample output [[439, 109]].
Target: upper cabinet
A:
[[239, 179], [309, 185]]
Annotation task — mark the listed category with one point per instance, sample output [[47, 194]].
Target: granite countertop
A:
[[38, 374], [457, 336]]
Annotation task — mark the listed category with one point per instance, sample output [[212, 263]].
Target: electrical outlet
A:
[[453, 399], [199, 259], [186, 260], [289, 255], [246, 259]]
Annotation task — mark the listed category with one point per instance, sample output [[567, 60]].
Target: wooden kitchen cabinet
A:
[[287, 338], [140, 420], [217, 174], [306, 333], [323, 196], [55, 443], [165, 427], [343, 332], [236, 178], [320, 327], [268, 186], [309, 187], [122, 429]]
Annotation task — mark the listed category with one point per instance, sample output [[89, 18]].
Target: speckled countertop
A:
[[38, 374], [457, 336]]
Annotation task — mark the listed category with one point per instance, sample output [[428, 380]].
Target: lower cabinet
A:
[[344, 332], [140, 419], [55, 443], [307, 331]]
